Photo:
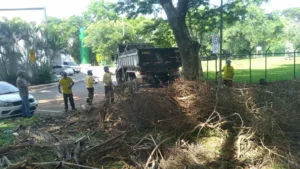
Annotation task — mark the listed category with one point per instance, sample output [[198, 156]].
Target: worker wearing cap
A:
[[107, 80], [22, 84], [228, 73], [89, 82], [66, 83]]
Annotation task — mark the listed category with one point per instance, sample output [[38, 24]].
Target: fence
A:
[[251, 68]]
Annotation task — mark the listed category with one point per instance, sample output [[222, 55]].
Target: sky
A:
[[67, 8]]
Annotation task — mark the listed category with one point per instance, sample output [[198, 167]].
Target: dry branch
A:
[[153, 151], [55, 163]]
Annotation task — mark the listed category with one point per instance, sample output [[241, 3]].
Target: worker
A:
[[66, 83], [108, 85], [89, 81], [22, 84], [228, 74]]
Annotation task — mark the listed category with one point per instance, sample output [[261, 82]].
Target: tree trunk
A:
[[189, 49]]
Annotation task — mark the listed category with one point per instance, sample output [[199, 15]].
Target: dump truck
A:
[[145, 65]]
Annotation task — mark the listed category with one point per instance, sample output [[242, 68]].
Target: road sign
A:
[[215, 44], [32, 55]]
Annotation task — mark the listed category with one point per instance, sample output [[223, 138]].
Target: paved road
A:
[[50, 100]]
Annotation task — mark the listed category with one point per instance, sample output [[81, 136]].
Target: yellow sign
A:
[[32, 55]]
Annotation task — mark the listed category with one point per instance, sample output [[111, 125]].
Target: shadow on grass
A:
[[284, 72]]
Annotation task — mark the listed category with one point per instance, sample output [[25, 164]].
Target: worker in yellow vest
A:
[[108, 85], [89, 82], [66, 83], [228, 74]]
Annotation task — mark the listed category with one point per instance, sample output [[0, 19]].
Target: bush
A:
[[10, 78], [44, 74]]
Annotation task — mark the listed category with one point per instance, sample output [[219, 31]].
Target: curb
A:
[[45, 86], [40, 86]]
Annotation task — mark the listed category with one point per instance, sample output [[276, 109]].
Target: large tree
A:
[[293, 25], [103, 37], [177, 14], [257, 29]]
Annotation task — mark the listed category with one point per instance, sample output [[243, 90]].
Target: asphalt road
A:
[[50, 100]]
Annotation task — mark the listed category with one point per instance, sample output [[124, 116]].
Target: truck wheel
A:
[[154, 83]]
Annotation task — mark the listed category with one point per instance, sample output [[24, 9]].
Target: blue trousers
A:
[[25, 106]]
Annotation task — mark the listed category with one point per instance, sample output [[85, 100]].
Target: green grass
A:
[[12, 124], [277, 69]]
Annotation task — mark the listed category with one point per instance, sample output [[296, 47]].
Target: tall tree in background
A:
[[104, 36], [256, 29], [157, 32], [293, 25], [12, 32], [99, 10]]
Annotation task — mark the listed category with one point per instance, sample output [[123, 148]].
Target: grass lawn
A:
[[10, 125], [277, 69]]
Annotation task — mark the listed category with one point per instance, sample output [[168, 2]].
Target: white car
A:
[[73, 65], [57, 78], [11, 102], [59, 69]]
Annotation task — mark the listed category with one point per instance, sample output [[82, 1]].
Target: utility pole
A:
[[221, 40], [123, 28]]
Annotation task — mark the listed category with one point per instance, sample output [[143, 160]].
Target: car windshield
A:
[[56, 67], [72, 64], [6, 88]]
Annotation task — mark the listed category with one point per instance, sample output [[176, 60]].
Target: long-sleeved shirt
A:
[[107, 78], [22, 84]]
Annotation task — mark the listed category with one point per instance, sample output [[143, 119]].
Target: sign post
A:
[[215, 44]]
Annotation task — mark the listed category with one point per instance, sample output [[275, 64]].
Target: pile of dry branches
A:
[[189, 125]]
